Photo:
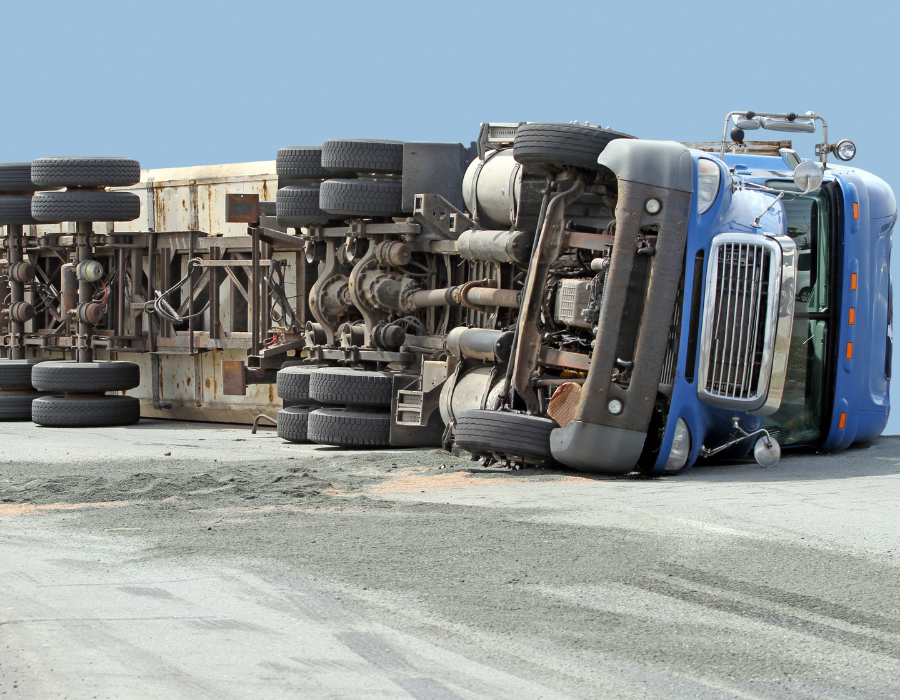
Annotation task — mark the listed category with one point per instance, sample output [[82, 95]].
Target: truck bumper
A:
[[599, 440], [590, 447]]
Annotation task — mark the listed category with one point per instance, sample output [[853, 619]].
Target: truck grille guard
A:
[[749, 312]]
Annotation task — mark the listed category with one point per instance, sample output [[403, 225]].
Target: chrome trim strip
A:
[[784, 327]]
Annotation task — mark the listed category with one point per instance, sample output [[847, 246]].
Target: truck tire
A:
[[292, 383], [558, 145], [85, 172], [16, 374], [513, 436], [350, 387], [337, 426], [85, 412], [299, 163], [361, 197], [292, 423], [15, 209], [55, 207], [17, 405], [362, 156], [297, 206], [16, 177], [86, 377]]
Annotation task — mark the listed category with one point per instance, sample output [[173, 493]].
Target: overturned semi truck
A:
[[553, 293]]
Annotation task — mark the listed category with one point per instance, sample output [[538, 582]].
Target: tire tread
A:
[[99, 411], [362, 156], [86, 172], [361, 197], [93, 377], [351, 387], [349, 428]]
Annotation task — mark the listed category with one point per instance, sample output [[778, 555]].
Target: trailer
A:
[[550, 294]]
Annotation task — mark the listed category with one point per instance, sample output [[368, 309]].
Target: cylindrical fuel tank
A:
[[491, 187], [467, 392]]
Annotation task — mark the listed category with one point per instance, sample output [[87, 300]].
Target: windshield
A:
[[799, 420]]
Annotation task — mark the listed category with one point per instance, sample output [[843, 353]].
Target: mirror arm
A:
[[742, 435], [823, 156], [775, 201], [725, 133]]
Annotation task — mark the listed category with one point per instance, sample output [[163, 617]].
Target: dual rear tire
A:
[[16, 390], [341, 427], [84, 403], [85, 205], [353, 160], [335, 406]]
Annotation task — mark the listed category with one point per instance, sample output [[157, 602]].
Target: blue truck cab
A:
[[785, 312], [673, 301]]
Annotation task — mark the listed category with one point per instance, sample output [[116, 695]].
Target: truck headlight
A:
[[681, 447], [844, 149], [708, 177]]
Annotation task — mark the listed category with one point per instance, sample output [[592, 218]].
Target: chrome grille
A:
[[742, 292]]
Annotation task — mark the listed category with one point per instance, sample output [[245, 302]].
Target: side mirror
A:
[[790, 157], [746, 123], [767, 451], [797, 125], [808, 177]]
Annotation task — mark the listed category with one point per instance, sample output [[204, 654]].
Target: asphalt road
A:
[[173, 560]]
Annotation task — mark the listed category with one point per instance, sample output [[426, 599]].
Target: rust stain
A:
[[271, 393], [265, 190], [160, 209], [188, 381], [31, 509], [208, 383]]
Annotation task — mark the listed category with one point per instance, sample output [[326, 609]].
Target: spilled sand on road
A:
[[32, 509], [414, 480]]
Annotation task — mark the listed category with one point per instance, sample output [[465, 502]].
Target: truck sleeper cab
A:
[[765, 318]]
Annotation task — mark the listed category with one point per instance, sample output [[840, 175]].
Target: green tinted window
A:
[[799, 421], [808, 220]]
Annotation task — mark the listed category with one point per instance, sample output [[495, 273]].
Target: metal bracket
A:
[[438, 215]]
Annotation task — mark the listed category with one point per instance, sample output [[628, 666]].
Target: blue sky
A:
[[190, 83]]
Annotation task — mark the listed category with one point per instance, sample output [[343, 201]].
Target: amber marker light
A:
[[849, 351], [852, 281], [856, 210], [852, 318], [842, 422]]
